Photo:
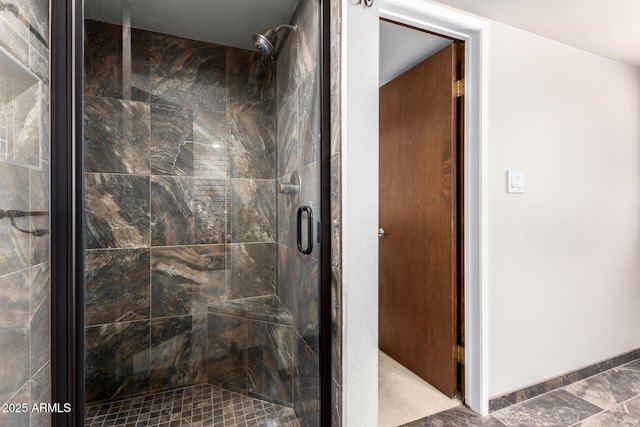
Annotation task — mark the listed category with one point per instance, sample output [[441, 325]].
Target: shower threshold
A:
[[202, 405]]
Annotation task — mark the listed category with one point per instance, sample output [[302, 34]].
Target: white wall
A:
[[564, 273], [359, 214], [564, 276]]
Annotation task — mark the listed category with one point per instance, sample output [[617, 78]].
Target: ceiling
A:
[[226, 22], [609, 28], [606, 28]]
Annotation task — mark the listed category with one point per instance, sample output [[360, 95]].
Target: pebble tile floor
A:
[[609, 399], [196, 406]]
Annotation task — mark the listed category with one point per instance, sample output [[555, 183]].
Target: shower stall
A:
[[201, 233]]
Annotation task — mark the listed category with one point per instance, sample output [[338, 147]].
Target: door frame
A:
[[474, 32]]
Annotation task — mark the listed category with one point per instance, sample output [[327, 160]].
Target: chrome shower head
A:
[[265, 40]]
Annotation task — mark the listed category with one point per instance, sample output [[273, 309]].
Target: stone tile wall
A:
[[298, 141], [198, 219], [180, 202], [251, 347], [24, 185]]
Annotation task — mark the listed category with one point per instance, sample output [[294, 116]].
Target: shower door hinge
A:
[[459, 354], [458, 88]]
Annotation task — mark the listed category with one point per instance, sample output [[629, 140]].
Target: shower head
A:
[[265, 40]]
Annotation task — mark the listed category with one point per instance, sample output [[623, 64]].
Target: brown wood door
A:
[[418, 211]]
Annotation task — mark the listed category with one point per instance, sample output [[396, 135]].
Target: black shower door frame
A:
[[67, 269]]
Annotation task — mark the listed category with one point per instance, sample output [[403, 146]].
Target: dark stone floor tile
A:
[[458, 417], [555, 409], [624, 415], [609, 388], [635, 364]]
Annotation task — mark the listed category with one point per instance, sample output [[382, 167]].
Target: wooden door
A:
[[418, 211]]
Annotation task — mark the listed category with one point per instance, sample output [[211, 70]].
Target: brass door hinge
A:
[[458, 88], [459, 354]]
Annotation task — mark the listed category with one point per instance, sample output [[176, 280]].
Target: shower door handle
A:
[[309, 212]]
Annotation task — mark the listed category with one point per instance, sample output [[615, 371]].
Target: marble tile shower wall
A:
[[180, 175], [297, 141], [24, 185]]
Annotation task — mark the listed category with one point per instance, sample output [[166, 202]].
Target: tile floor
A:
[[609, 399], [196, 406]]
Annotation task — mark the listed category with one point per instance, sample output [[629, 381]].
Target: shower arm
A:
[[281, 26]]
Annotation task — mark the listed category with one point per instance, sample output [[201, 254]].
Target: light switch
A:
[[515, 182]]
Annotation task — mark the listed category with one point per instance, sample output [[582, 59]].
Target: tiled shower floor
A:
[[196, 406]]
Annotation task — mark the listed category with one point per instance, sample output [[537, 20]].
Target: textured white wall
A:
[[360, 213], [564, 273]]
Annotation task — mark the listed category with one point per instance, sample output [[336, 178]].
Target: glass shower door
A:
[[202, 201]]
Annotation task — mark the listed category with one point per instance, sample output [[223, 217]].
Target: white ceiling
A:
[[226, 22], [401, 48], [609, 28]]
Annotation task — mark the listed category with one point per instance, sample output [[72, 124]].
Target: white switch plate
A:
[[515, 182]]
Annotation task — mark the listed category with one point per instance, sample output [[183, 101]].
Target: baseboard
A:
[[518, 396]]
